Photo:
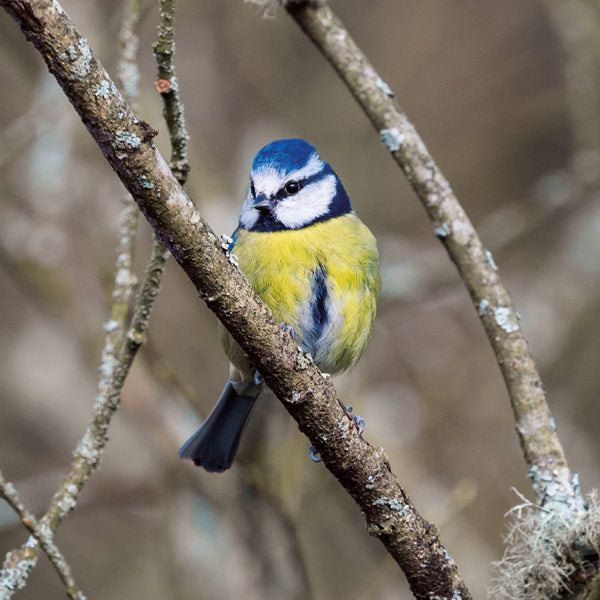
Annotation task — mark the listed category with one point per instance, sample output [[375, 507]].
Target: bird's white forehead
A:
[[268, 179]]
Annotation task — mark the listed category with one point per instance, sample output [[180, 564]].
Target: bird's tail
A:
[[214, 445]]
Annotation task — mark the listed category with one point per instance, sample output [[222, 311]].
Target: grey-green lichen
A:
[[126, 139], [442, 230], [232, 258], [392, 138], [503, 320], [89, 448], [226, 241], [545, 551], [81, 57], [145, 183], [105, 89], [557, 489], [16, 568], [394, 504], [483, 307], [303, 360], [15, 578], [384, 87], [490, 260]]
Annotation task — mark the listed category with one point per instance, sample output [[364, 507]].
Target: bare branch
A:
[[116, 358], [309, 397], [43, 536], [548, 468], [168, 86]]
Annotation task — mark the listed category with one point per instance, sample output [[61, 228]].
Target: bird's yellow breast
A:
[[281, 267]]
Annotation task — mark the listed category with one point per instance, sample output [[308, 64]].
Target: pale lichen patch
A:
[[503, 320], [392, 138]]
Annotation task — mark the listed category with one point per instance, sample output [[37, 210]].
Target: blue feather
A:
[[234, 238], [289, 155]]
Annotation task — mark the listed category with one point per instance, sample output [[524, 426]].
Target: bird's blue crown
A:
[[291, 187], [287, 155]]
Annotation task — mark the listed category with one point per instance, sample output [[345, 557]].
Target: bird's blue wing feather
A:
[[234, 237]]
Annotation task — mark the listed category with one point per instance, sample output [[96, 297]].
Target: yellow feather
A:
[[280, 266]]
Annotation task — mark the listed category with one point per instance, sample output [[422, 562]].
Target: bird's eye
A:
[[252, 190], [291, 187]]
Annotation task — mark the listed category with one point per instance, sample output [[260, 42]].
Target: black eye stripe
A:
[[282, 193], [301, 182]]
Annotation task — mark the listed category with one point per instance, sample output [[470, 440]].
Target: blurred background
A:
[[507, 98]]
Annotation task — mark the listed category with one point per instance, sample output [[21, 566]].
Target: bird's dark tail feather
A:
[[214, 445]]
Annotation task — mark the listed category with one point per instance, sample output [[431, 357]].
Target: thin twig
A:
[[44, 537], [168, 86], [113, 369], [552, 480]]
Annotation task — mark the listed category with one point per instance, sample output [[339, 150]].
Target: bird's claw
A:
[[288, 329], [360, 422], [314, 455]]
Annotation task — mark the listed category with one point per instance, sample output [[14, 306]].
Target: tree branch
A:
[[43, 536], [548, 468], [126, 142], [117, 357], [168, 86]]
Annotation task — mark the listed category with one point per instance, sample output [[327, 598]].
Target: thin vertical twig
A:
[[168, 86]]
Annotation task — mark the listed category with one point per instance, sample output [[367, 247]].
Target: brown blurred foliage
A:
[[493, 89]]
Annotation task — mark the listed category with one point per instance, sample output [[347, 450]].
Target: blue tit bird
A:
[[313, 262]]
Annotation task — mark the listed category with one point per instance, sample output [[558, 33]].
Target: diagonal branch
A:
[[43, 536], [126, 143], [548, 468]]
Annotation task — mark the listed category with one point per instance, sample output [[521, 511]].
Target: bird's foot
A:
[[288, 329], [314, 455], [360, 422]]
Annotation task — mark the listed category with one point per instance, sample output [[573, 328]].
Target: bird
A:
[[315, 264]]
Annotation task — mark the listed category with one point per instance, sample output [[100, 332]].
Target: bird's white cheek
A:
[[310, 203]]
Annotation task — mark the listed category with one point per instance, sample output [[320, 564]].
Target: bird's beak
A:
[[262, 203]]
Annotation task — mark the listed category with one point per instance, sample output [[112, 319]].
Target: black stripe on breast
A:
[[319, 312]]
